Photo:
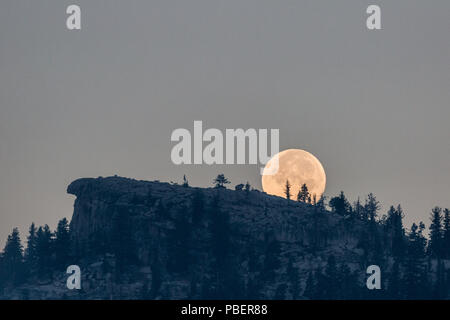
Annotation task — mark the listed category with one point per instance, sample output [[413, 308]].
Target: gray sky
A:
[[373, 106]]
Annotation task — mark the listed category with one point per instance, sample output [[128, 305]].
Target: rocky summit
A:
[[183, 232]]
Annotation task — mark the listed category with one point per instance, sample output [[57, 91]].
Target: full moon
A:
[[299, 167]]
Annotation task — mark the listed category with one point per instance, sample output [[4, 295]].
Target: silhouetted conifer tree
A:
[[435, 244], [12, 258], [413, 283], [303, 194], [30, 256], [185, 182], [396, 233], [446, 234], [374, 249], [44, 251], [220, 181], [320, 205], [358, 210], [62, 244], [371, 207], [287, 190], [340, 204]]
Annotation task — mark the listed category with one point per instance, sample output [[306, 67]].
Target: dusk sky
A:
[[372, 106]]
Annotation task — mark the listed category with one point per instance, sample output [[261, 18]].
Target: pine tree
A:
[[396, 233], [185, 182], [435, 245], [414, 263], [340, 204], [62, 244], [375, 245], [13, 249], [320, 205], [220, 181], [314, 199], [358, 210], [446, 234], [371, 207], [30, 255], [44, 251], [303, 194], [12, 259], [287, 190]]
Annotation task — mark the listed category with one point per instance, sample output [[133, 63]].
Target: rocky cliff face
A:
[[256, 219], [139, 239], [252, 214]]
